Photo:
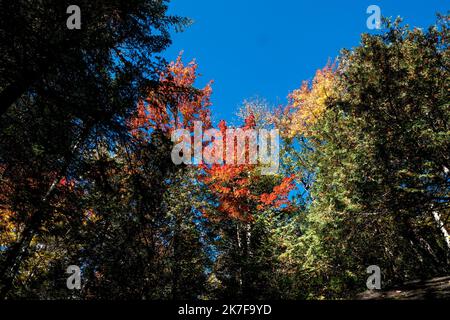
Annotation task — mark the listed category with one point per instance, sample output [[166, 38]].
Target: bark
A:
[[176, 268], [441, 226]]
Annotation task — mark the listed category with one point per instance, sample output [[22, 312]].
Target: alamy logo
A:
[[374, 20], [234, 147], [74, 281], [374, 281], [74, 21]]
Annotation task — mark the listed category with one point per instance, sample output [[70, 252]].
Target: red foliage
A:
[[175, 103], [233, 185], [279, 197]]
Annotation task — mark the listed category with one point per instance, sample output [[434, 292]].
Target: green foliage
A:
[[86, 176], [379, 158]]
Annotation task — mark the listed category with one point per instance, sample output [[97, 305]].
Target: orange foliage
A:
[[280, 195], [233, 185], [175, 103]]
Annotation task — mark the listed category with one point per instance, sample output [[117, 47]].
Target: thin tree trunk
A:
[[248, 235], [239, 244], [176, 270], [246, 258], [441, 226]]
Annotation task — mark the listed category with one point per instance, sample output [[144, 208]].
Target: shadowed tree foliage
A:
[[375, 134], [87, 177], [61, 92]]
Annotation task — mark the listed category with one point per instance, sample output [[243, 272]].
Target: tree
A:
[[37, 45], [63, 91], [378, 150], [243, 207]]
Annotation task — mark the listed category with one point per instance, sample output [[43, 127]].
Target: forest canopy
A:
[[87, 179]]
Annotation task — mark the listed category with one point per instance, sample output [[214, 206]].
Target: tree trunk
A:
[[176, 270], [441, 226]]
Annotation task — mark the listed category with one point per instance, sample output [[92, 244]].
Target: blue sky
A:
[[266, 48]]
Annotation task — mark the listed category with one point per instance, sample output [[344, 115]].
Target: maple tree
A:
[[175, 103], [243, 207], [233, 184]]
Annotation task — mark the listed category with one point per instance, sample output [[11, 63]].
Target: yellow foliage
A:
[[90, 217], [308, 103], [7, 227]]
